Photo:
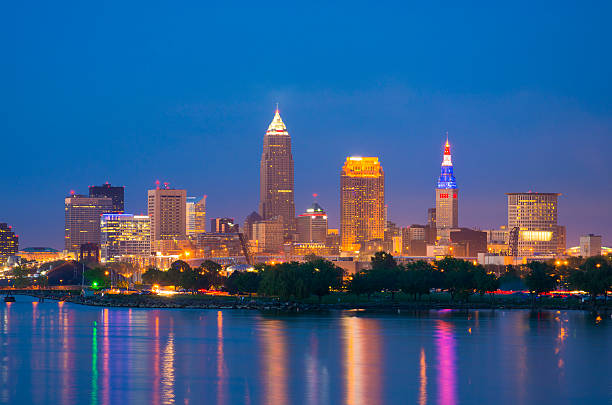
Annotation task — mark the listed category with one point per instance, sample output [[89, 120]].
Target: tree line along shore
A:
[[318, 284]]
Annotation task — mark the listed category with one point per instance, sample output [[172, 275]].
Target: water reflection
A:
[[68, 354], [317, 376], [445, 343], [221, 374], [156, 362], [105, 357], [422, 378], [94, 364], [362, 362], [167, 374], [275, 362]]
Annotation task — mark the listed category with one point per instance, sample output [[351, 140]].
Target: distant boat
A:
[[9, 298]]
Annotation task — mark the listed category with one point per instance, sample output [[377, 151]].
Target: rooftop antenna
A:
[[277, 107]]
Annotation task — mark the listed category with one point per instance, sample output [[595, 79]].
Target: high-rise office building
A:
[[590, 245], [535, 216], [83, 220], [167, 210], [268, 234], [200, 216], [362, 202], [115, 193], [312, 225], [9, 242], [276, 176], [447, 201], [124, 235], [223, 225], [196, 215], [247, 228]]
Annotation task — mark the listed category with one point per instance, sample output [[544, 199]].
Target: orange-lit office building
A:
[[362, 202]]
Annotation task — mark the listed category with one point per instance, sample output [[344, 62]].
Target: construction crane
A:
[[245, 248]]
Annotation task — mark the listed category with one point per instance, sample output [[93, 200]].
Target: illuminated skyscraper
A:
[[115, 193], [447, 201], [83, 220], [196, 215], [362, 202], [276, 176], [535, 216], [124, 235], [167, 212], [9, 242]]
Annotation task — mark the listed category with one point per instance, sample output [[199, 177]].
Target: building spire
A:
[[447, 179], [277, 126]]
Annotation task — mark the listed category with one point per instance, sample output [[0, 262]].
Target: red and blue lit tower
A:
[[447, 201]]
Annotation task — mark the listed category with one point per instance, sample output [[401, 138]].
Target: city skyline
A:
[[336, 222], [533, 103]]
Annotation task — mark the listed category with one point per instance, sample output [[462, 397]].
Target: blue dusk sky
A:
[[131, 92]]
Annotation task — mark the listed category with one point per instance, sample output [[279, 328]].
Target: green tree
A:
[[211, 275], [485, 282], [458, 277], [539, 279], [153, 276], [510, 280], [358, 284], [97, 277], [324, 276], [594, 277], [243, 282], [384, 273], [417, 279], [21, 277]]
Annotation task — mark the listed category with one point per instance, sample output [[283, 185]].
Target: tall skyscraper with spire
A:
[[447, 199], [276, 176]]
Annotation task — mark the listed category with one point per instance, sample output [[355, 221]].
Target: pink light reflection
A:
[[447, 371]]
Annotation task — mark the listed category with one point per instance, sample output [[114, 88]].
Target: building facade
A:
[[196, 216], [269, 236], [247, 227], [590, 245], [223, 225], [82, 220], [124, 235], [535, 217], [9, 242], [498, 240], [312, 225], [167, 211], [467, 242], [276, 176], [219, 245], [115, 193], [447, 199], [362, 202]]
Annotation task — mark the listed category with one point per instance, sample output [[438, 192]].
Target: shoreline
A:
[[265, 305]]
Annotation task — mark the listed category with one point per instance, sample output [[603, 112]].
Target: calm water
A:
[[67, 354]]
